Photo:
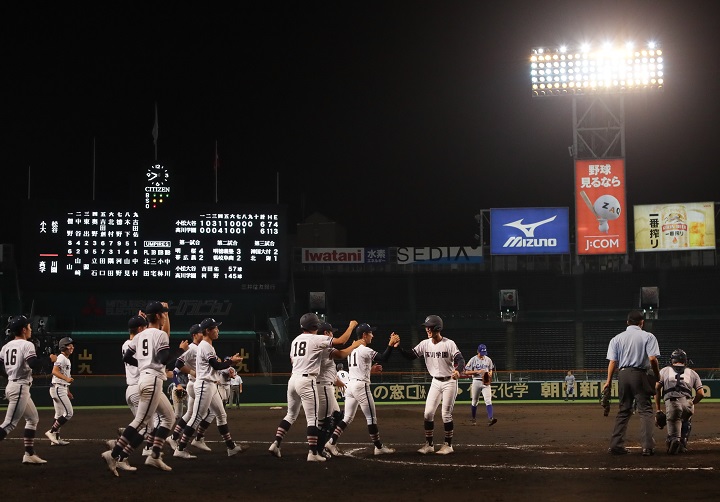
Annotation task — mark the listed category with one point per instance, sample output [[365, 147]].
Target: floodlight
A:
[[611, 70]]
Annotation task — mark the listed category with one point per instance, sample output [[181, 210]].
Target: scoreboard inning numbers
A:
[[241, 246]]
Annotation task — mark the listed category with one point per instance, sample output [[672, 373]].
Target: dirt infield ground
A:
[[534, 452]]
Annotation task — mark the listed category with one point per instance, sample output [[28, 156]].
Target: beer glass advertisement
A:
[[601, 224], [672, 227]]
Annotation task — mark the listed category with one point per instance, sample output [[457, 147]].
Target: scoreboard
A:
[[111, 245]]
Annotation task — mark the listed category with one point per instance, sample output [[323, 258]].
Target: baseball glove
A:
[[486, 378], [660, 419], [605, 401]]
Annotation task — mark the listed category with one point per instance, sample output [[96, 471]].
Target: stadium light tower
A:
[[597, 80]]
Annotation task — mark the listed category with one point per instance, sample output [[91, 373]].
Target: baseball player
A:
[[675, 386], [60, 391], [207, 397], [358, 393], [326, 381], [442, 358], [480, 367], [17, 360], [149, 350], [224, 384], [186, 363], [344, 380], [570, 386], [236, 389], [178, 393], [306, 351]]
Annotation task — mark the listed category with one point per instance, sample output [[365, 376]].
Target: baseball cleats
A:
[[674, 447], [275, 449], [333, 450], [110, 443], [492, 422], [239, 448], [648, 452], [33, 459], [428, 448], [171, 442], [473, 421], [200, 444], [315, 457], [147, 452], [384, 450], [157, 463], [112, 462], [124, 465], [54, 437], [183, 454], [445, 449], [618, 451]]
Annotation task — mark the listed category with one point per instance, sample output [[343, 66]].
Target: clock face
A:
[[157, 175]]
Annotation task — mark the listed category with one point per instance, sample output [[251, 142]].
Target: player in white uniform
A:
[[675, 386], [187, 364], [306, 351], [476, 367], [358, 392], [207, 397], [17, 360], [442, 358], [60, 391], [150, 350], [570, 386], [326, 381]]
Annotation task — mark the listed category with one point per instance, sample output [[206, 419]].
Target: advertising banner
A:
[[438, 255], [601, 224], [529, 231], [673, 227]]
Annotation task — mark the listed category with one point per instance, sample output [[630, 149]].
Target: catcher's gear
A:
[[660, 419], [310, 322], [605, 400], [64, 342], [486, 378], [678, 356], [434, 322]]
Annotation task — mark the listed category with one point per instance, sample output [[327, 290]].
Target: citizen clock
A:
[[157, 186]]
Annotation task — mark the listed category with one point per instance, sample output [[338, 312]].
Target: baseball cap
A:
[[209, 323], [155, 307], [137, 322], [364, 328], [482, 349], [195, 328], [326, 326], [18, 322]]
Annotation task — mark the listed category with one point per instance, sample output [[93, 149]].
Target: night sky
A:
[[398, 119]]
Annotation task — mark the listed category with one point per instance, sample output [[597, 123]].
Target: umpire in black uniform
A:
[[634, 352]]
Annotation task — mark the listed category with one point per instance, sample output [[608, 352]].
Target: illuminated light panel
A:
[[597, 70]]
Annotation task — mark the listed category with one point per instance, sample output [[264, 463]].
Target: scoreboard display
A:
[[111, 245]]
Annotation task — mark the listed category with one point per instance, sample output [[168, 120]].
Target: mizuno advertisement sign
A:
[[529, 230]]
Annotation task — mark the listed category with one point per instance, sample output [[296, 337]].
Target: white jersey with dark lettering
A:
[[360, 363], [439, 357], [65, 365], [189, 359], [131, 372], [328, 369], [203, 370], [146, 345], [305, 353], [14, 355]]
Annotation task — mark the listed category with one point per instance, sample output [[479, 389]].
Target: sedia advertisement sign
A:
[[529, 231], [674, 227], [601, 224]]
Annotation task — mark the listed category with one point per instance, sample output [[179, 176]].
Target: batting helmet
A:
[[310, 322], [64, 342], [434, 322], [678, 356]]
